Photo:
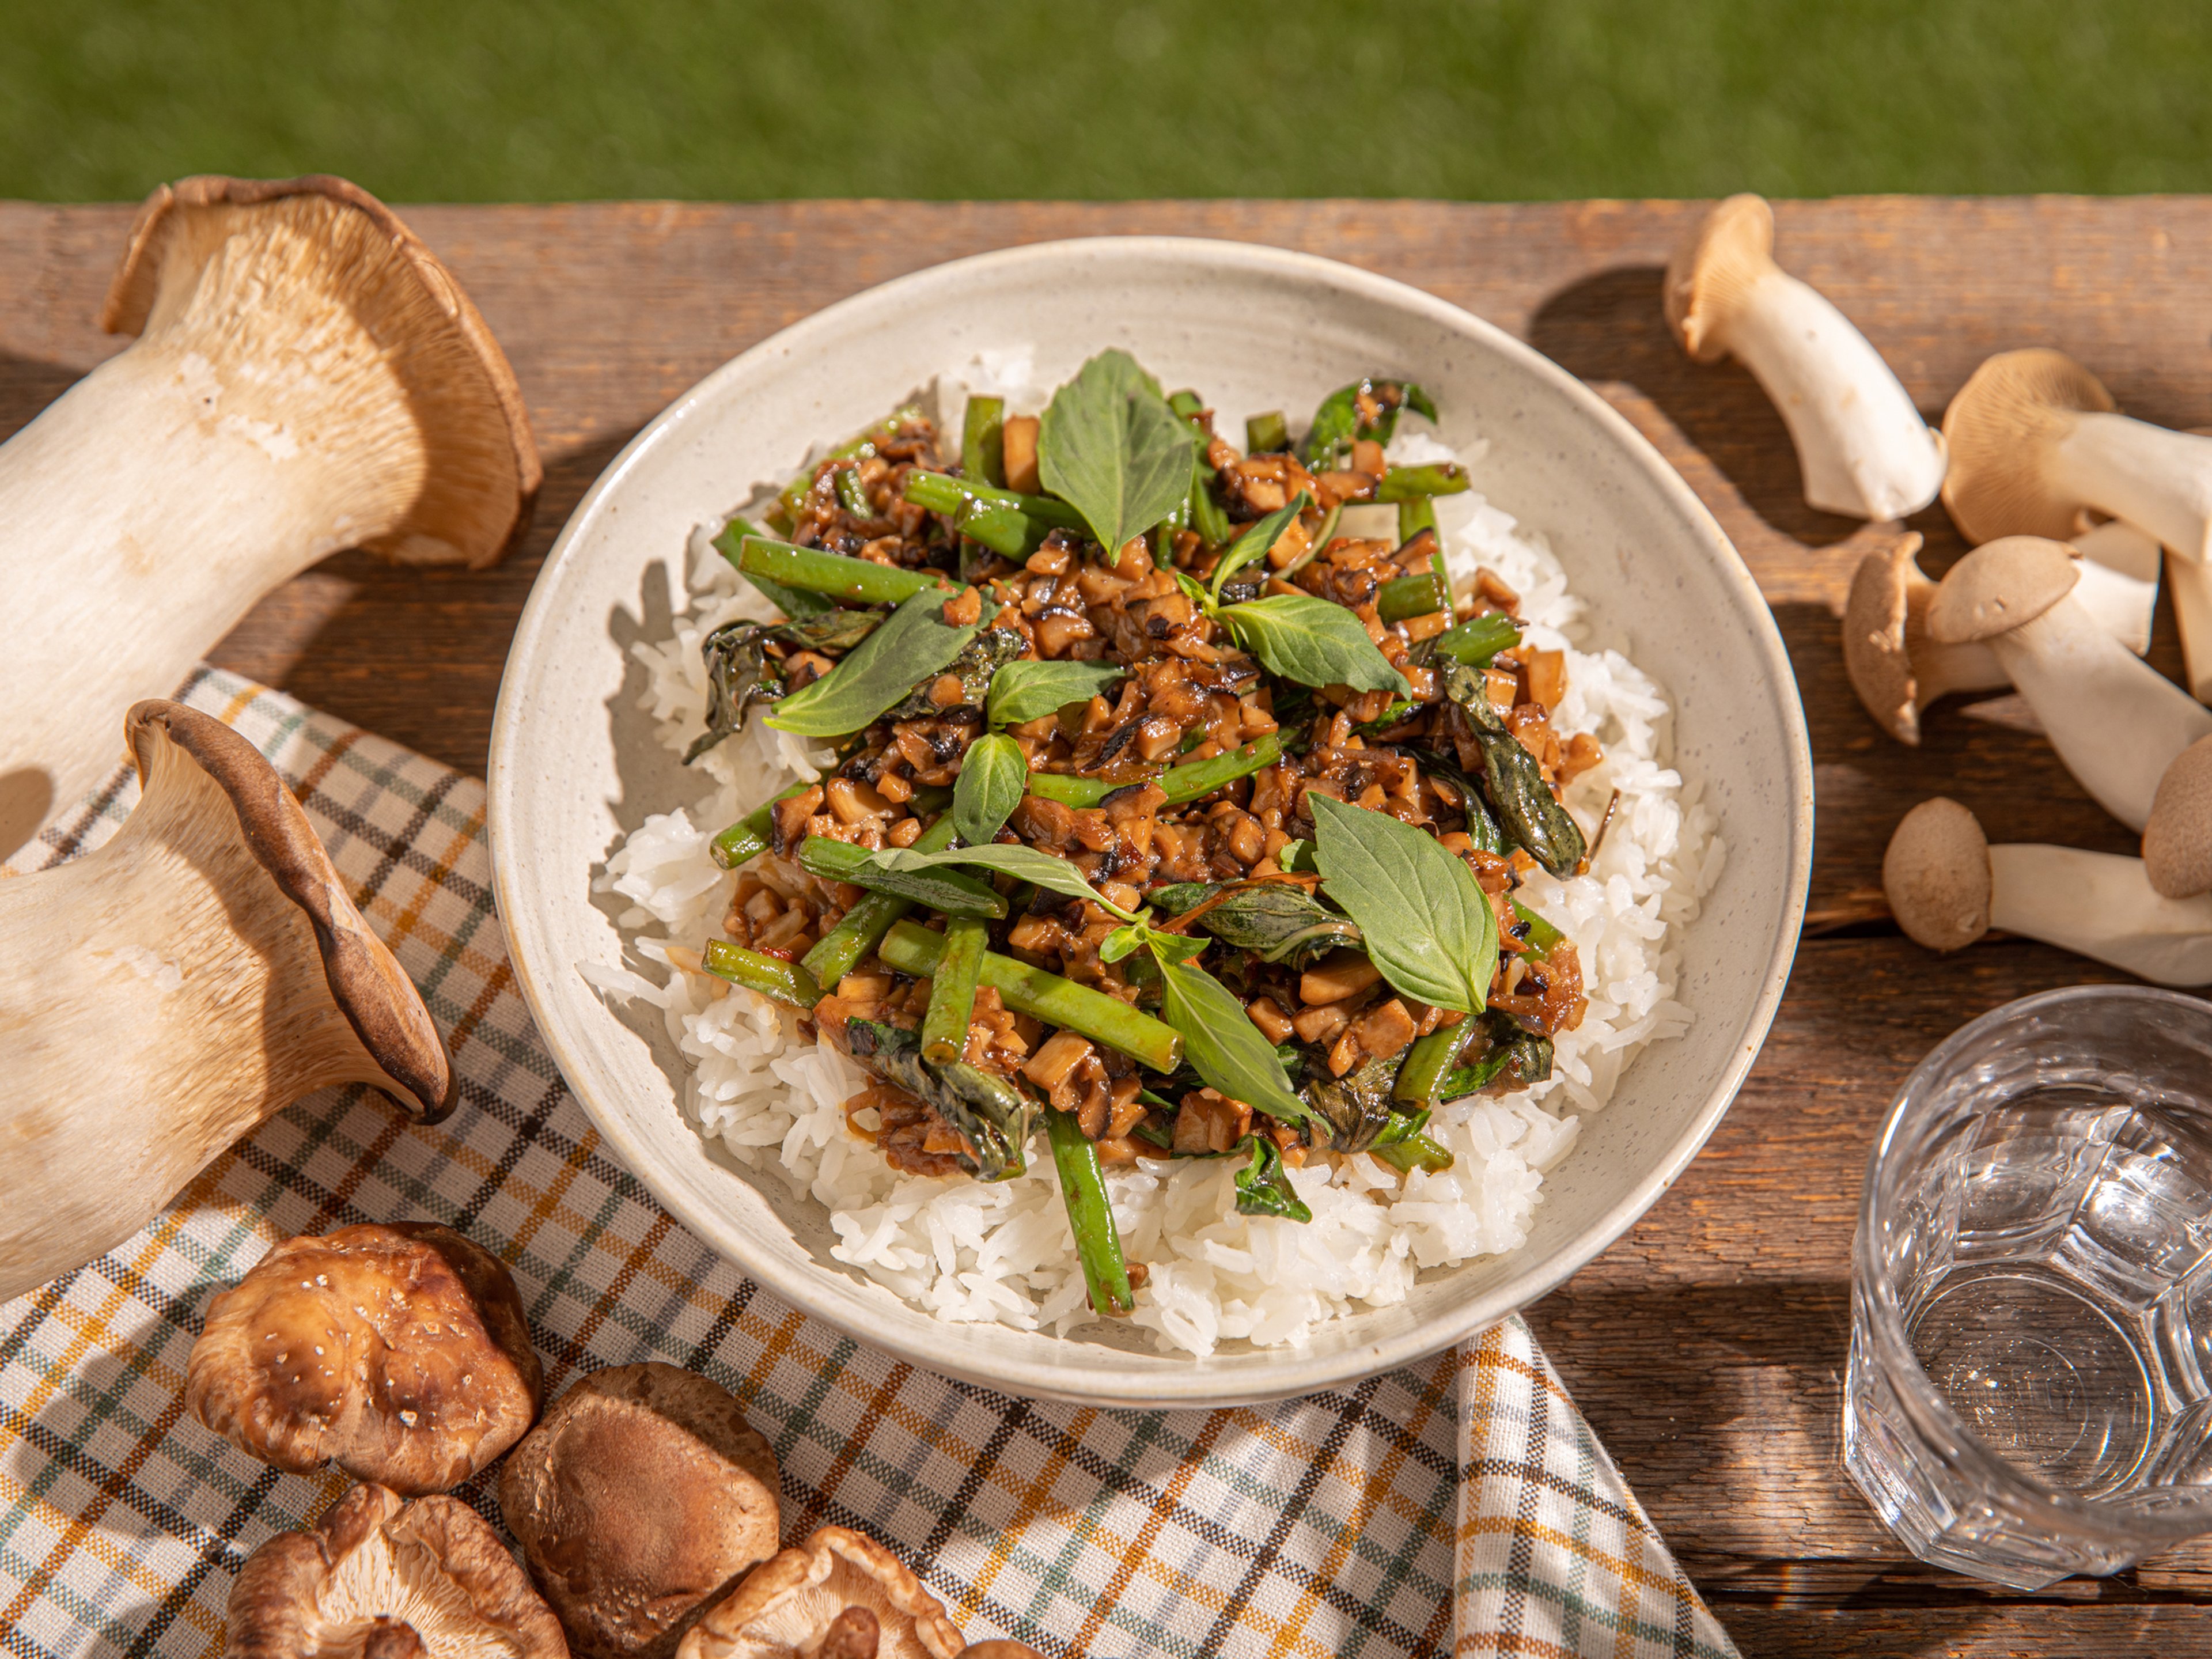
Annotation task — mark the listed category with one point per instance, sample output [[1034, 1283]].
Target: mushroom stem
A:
[[2102, 906], [1863, 447], [2119, 581], [2157, 479], [306, 378], [167, 991]]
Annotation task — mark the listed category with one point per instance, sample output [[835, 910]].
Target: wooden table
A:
[[1707, 1347]]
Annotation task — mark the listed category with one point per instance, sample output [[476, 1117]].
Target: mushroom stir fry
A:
[[1162, 810]]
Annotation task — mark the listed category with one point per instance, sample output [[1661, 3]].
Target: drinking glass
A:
[[2028, 1393]]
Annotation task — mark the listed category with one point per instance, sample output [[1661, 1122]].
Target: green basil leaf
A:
[[1029, 691], [1312, 641], [1256, 542], [1110, 448], [913, 644], [1028, 864], [1263, 1188], [1193, 589], [1428, 924], [988, 789], [1221, 1043]]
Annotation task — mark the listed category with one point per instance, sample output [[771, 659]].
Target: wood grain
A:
[[1706, 1346]]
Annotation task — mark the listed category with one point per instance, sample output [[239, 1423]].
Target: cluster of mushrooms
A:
[[307, 376], [2072, 509], [647, 1509]]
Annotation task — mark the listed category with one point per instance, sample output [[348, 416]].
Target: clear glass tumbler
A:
[[2030, 1390]]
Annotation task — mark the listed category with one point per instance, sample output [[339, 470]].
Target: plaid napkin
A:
[[1460, 1505]]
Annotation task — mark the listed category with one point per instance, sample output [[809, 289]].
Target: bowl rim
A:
[[1195, 1385]]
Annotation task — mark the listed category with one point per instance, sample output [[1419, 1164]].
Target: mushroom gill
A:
[[790, 1604], [307, 377], [168, 991]]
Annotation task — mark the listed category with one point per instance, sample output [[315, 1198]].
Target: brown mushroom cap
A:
[[398, 1352], [1000, 1649], [787, 1604], [1713, 269], [1886, 589], [2177, 841], [474, 499], [637, 1501], [2000, 586], [366, 981], [380, 1577], [1996, 430], [1936, 875]]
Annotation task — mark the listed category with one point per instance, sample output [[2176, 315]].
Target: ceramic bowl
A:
[[574, 764]]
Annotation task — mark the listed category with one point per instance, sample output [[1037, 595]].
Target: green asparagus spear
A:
[[1416, 595], [1205, 514], [1415, 516], [913, 949], [1183, 783], [952, 991], [1429, 1063], [984, 441], [748, 837], [1404, 483], [794, 602], [1415, 1152], [850, 496], [1477, 640], [940, 492], [816, 572], [1265, 433], [1090, 1216], [863, 927], [946, 890], [772, 977]]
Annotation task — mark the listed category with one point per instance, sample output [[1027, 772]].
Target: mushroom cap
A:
[[1884, 589], [788, 1603], [366, 981], [1936, 875], [1000, 1649], [1713, 268], [340, 246], [380, 1577], [1996, 430], [2177, 841], [637, 1501], [2000, 586], [398, 1352]]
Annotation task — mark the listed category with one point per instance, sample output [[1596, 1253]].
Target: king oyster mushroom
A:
[[2116, 721], [2177, 841], [306, 378], [204, 969], [837, 1586], [1862, 446], [1948, 886], [398, 1352], [640, 1497], [387, 1579], [1898, 670]]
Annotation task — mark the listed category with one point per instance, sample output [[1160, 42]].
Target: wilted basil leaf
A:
[[1355, 1106], [1279, 920], [1263, 1187], [736, 656], [979, 660], [991, 1114], [1526, 811]]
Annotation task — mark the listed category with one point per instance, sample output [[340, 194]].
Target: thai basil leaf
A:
[[1355, 1107], [1132, 937], [1028, 864], [912, 646], [1528, 1054], [1527, 810], [1256, 542], [979, 661], [1220, 1043], [988, 789], [1429, 925], [736, 656], [1110, 448], [1030, 689], [1263, 1187], [991, 1115], [1312, 641], [1482, 826], [1278, 920], [1337, 422]]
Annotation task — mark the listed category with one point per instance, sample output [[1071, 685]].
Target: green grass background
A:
[[485, 99]]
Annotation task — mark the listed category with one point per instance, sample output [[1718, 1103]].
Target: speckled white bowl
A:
[[573, 765]]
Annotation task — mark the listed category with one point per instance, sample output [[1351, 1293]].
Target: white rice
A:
[[971, 1251]]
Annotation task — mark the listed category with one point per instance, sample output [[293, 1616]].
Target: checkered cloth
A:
[[1460, 1505]]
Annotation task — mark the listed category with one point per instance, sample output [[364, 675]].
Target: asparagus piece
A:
[[946, 890], [748, 837], [1183, 783], [1421, 1078], [1187, 404], [850, 496], [1477, 640], [1265, 433], [1404, 483], [1415, 1152], [1090, 1216], [816, 572], [860, 444], [1416, 595], [983, 440], [940, 492], [952, 991], [1542, 936], [863, 927], [1206, 516], [793, 602], [913, 949], [1415, 516], [772, 977]]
